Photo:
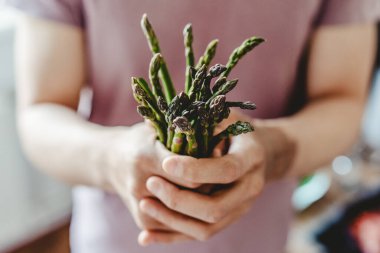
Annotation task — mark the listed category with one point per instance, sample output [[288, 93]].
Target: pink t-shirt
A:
[[118, 50]]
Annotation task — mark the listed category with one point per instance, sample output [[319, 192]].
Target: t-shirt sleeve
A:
[[334, 12], [66, 11]]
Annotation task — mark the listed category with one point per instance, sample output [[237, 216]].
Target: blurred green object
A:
[[305, 180]]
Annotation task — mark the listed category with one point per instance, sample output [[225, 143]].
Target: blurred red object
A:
[[366, 230]]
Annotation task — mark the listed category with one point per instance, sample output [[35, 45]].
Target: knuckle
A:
[[232, 173], [172, 201], [189, 174]]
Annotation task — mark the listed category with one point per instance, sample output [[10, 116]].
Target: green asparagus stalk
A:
[[232, 130], [188, 41], [148, 114], [183, 125], [219, 83], [177, 142], [142, 97], [242, 105], [227, 87], [179, 103], [197, 82], [155, 48], [204, 119], [217, 107], [154, 68], [215, 71], [240, 51], [208, 55]]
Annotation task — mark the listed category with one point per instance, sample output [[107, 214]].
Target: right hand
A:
[[135, 155]]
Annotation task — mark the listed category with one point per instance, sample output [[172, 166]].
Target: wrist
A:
[[280, 150], [107, 161]]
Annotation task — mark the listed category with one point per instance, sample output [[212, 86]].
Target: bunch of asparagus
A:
[[185, 123]]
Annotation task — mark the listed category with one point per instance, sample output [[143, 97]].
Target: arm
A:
[[51, 71], [340, 66], [339, 72], [50, 75]]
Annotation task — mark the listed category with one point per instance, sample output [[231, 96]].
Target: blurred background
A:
[[334, 208]]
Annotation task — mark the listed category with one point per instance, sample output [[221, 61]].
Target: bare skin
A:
[[80, 152]]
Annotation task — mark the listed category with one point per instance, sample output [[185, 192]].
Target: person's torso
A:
[[117, 50]]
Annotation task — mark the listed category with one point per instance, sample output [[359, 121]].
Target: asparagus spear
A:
[[232, 130], [179, 103], [242, 105], [145, 98], [183, 125], [215, 71], [177, 142], [217, 106], [155, 48], [148, 114], [227, 87], [192, 72], [219, 83], [197, 82], [154, 68], [204, 119], [240, 51], [162, 105], [188, 41], [208, 55]]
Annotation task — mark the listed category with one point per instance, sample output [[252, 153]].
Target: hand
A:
[[200, 216], [134, 156], [244, 170]]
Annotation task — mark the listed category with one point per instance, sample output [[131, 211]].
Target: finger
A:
[[247, 149], [148, 237], [223, 170], [142, 220], [163, 153], [209, 209], [176, 221], [185, 225]]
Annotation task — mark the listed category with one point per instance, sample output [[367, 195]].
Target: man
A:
[[64, 45]]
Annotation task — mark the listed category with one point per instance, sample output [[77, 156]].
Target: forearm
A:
[[324, 129], [65, 146]]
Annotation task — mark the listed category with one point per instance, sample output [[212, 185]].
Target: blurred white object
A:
[[7, 25], [310, 192], [342, 165], [347, 171], [371, 120]]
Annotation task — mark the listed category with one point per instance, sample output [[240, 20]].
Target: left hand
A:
[[198, 216]]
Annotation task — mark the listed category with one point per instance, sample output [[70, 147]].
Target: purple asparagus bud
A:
[[162, 105], [183, 125], [146, 112], [217, 69]]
